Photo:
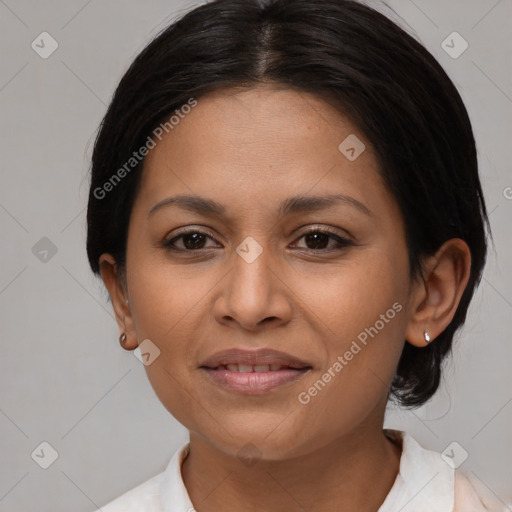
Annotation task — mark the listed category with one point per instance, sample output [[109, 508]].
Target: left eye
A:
[[316, 240]]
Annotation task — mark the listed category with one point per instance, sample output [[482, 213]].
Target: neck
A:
[[353, 473]]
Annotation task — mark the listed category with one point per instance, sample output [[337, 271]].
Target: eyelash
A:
[[343, 242]]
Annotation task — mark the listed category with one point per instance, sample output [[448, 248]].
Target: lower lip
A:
[[254, 383]]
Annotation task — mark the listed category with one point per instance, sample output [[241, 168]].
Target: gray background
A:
[[63, 377]]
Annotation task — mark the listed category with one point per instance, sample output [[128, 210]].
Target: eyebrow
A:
[[291, 205]]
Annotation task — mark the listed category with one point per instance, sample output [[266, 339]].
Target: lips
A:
[[246, 368], [253, 358], [253, 372]]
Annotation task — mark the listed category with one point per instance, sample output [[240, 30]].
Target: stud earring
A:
[[427, 337], [122, 338]]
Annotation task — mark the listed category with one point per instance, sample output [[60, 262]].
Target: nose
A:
[[254, 294]]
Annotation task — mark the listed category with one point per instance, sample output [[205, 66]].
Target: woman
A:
[[286, 211]]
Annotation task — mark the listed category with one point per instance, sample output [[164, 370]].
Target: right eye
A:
[[191, 241]]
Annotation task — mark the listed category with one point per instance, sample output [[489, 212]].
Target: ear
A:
[[436, 296], [118, 295]]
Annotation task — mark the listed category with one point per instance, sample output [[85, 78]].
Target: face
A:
[[279, 295]]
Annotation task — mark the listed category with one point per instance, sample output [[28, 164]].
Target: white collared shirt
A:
[[425, 483]]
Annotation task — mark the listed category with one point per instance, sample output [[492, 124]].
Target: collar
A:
[[425, 482], [173, 493]]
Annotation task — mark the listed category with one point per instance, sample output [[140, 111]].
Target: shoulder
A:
[[165, 491], [143, 497], [427, 481], [472, 496]]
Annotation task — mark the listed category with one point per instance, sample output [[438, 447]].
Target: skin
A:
[[250, 150]]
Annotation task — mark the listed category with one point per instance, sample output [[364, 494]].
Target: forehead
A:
[[251, 146]]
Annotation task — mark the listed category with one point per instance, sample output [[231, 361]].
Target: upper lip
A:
[[262, 356]]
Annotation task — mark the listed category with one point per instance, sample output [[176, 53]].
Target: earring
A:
[[122, 338], [427, 337]]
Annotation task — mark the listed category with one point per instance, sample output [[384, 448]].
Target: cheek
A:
[[168, 306], [362, 317], [165, 298], [352, 296], [166, 303]]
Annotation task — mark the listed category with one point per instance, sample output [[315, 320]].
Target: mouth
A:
[[253, 372]]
